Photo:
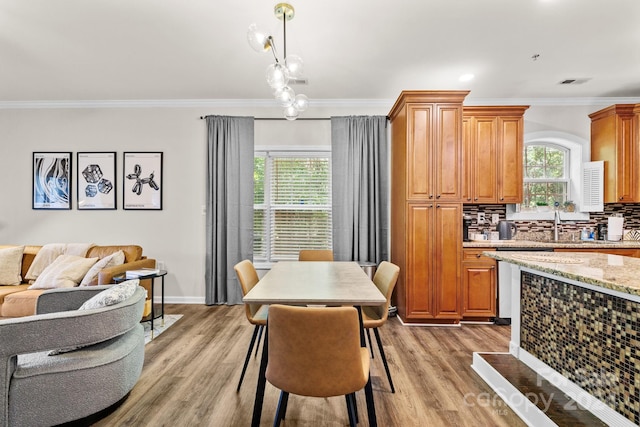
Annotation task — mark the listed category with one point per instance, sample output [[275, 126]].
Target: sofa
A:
[[45, 379], [17, 300]]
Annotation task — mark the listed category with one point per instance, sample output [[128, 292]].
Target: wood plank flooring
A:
[[192, 369]]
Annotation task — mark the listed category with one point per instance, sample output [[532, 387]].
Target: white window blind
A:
[[592, 187], [296, 211]]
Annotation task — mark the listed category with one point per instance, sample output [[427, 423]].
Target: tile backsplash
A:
[[631, 213]]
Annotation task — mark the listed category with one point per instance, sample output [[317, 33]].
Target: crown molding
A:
[[269, 103]]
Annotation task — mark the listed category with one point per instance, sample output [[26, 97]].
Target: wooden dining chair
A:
[[316, 351], [256, 314], [315, 255], [373, 317]]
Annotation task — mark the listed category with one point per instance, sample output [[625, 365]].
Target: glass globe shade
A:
[[301, 102], [291, 113], [285, 96], [258, 40], [295, 65], [277, 76]]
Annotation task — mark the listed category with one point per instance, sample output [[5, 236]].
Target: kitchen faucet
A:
[[556, 224]]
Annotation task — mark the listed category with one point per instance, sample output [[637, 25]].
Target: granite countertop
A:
[[615, 272], [588, 244]]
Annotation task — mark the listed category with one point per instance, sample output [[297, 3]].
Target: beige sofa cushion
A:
[[91, 278], [11, 266], [65, 272], [19, 304]]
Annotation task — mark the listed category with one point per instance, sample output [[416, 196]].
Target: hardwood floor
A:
[[192, 369]]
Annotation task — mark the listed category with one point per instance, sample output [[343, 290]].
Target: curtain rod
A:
[[282, 118]]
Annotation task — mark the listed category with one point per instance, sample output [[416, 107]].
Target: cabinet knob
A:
[[431, 196], [476, 199], [438, 196], [437, 206], [478, 255], [501, 199], [621, 197], [468, 199]]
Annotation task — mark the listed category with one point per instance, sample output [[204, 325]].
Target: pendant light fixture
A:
[[281, 73]]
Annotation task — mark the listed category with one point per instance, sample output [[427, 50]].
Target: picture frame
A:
[[51, 180], [96, 172], [142, 180]]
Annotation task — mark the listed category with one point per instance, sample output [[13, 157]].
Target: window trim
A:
[[579, 152]]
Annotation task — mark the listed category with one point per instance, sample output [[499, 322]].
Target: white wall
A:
[[174, 235]]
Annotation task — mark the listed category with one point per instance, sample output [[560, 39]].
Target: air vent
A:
[[298, 81], [573, 81]]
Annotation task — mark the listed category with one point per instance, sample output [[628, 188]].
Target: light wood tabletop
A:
[[315, 282]]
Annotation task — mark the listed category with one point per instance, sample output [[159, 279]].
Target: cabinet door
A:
[[484, 160], [447, 260], [419, 157], [510, 160], [418, 286], [479, 289], [448, 164], [626, 176]]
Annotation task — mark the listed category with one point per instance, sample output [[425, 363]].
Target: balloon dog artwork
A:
[[143, 180]]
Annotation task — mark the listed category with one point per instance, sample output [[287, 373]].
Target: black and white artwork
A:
[[96, 180], [51, 181], [142, 181]]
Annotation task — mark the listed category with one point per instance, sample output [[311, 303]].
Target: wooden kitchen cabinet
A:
[[493, 154], [432, 282], [614, 139], [479, 285], [434, 139], [426, 205]]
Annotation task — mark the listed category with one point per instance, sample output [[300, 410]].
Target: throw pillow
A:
[[91, 278], [114, 295], [11, 265], [65, 272]]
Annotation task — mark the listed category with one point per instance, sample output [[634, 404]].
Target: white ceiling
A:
[[353, 49]]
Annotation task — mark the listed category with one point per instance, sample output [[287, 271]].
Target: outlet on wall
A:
[[495, 218], [480, 217]]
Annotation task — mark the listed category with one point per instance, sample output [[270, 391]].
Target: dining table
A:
[[330, 283]]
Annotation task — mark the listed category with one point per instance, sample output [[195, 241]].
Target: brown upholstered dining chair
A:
[[256, 314], [315, 255], [315, 351], [373, 317]]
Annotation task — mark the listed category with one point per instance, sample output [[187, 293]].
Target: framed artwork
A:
[[142, 183], [51, 180], [96, 180]]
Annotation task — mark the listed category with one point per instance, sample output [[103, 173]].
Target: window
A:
[[292, 204], [552, 171], [546, 175]]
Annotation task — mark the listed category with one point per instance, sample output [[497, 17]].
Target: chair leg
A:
[[261, 328], [246, 360], [282, 408], [384, 359], [370, 342], [355, 406], [351, 410], [371, 407]]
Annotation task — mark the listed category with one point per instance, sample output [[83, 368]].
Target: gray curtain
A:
[[360, 188], [229, 212]]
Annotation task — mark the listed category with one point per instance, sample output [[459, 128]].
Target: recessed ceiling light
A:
[[466, 77]]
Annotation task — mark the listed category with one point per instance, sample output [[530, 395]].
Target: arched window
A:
[[552, 168], [546, 174]]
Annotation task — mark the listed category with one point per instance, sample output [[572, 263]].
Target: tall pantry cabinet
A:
[[426, 204]]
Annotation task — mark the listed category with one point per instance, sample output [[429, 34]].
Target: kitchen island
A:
[[575, 322]]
